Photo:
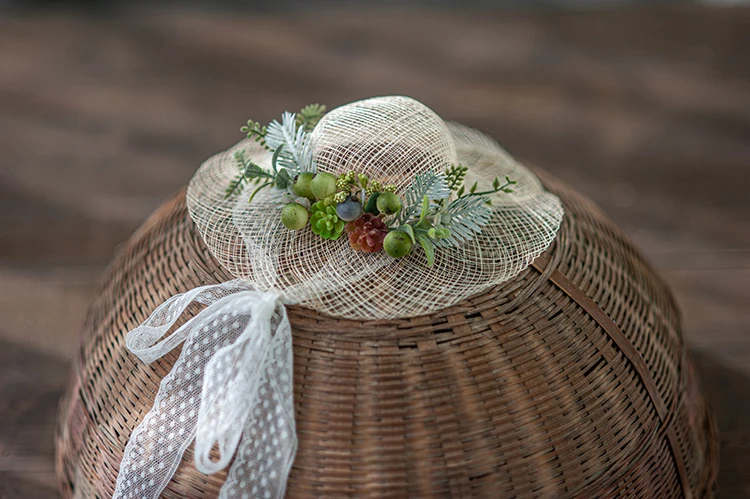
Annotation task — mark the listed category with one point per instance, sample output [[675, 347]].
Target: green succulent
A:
[[325, 222]]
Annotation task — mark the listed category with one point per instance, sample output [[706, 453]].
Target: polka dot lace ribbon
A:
[[230, 390]]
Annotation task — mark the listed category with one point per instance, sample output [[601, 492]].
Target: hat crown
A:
[[389, 138]]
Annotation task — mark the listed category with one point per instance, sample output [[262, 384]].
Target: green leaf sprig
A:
[[455, 175], [309, 116], [255, 131], [248, 172], [496, 187]]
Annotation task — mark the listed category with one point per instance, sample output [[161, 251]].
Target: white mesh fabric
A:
[[390, 139], [231, 389], [387, 138]]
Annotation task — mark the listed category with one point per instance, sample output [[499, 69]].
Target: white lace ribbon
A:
[[230, 389]]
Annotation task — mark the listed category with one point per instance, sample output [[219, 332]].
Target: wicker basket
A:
[[572, 380]]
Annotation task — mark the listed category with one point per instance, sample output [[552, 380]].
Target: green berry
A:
[[302, 184], [389, 203], [390, 188], [323, 185], [294, 216], [397, 244], [340, 197]]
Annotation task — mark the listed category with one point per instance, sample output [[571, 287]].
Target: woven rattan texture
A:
[[571, 380]]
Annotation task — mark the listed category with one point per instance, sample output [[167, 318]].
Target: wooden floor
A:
[[103, 117]]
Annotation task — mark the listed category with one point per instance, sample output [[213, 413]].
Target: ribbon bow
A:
[[231, 389]]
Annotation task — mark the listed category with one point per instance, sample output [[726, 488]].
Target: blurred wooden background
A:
[[102, 117]]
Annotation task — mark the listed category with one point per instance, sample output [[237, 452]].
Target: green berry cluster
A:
[[352, 201], [376, 218]]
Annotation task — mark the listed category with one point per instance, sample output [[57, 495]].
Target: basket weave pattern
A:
[[572, 380]]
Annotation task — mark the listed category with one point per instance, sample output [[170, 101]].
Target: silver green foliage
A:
[[291, 144], [429, 184], [465, 217]]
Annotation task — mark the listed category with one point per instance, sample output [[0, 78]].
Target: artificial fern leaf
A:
[[467, 217], [239, 159], [429, 184], [455, 175], [297, 152], [235, 186], [282, 133], [249, 169], [255, 131], [309, 116]]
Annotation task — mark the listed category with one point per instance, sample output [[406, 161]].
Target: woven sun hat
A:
[[394, 140], [378, 209]]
